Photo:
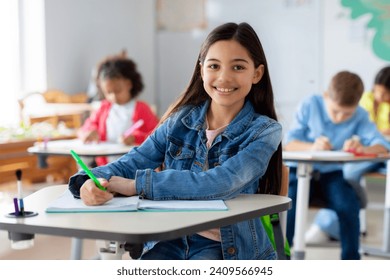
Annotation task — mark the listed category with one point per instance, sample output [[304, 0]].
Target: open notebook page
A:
[[67, 203]]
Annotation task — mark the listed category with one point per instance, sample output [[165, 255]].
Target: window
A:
[[10, 62], [22, 55]]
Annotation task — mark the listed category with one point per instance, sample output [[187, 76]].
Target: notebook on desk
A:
[[318, 155], [66, 203]]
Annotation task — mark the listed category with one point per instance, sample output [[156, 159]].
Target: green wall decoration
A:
[[380, 22]]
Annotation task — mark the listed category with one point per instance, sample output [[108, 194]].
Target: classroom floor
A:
[[59, 248]]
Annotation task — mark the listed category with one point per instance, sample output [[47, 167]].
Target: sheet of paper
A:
[[67, 203], [197, 205], [326, 155]]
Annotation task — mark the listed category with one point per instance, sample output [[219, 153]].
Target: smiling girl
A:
[[219, 140]]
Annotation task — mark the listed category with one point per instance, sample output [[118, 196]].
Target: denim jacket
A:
[[233, 165]]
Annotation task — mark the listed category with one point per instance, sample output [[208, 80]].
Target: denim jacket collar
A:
[[234, 129]]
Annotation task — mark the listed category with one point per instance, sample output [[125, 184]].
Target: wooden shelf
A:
[[14, 155]]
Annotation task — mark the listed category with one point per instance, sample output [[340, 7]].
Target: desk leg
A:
[[385, 251], [386, 221], [42, 161], [112, 250], [304, 174], [76, 250]]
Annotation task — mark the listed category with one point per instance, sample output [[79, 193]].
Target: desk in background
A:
[[63, 147], [305, 162], [139, 226], [14, 155], [55, 106]]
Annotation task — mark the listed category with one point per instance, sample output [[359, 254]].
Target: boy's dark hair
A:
[[383, 77], [346, 89], [122, 68]]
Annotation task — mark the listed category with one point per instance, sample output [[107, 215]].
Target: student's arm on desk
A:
[[375, 149], [320, 144], [122, 186], [81, 187], [358, 149], [91, 195], [323, 144]]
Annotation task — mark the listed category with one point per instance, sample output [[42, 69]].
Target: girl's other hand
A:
[[122, 186]]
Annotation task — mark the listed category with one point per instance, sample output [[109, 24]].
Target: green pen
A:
[[85, 168]]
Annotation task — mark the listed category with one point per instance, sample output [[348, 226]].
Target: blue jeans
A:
[[192, 247], [353, 173], [339, 196], [328, 222], [327, 219]]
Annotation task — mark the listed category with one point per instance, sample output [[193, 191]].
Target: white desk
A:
[[305, 162], [63, 147], [135, 227]]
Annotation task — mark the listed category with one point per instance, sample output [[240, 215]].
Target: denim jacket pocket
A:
[[182, 155]]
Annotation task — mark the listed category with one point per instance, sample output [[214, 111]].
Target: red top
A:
[[97, 121]]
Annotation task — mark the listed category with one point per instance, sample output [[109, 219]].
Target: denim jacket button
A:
[[231, 250]]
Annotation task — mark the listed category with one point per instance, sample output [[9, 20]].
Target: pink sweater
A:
[[97, 121]]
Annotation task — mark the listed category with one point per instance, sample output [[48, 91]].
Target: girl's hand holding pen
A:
[[91, 195], [322, 143]]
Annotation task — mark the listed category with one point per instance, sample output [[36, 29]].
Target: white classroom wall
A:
[[80, 33], [305, 42], [347, 44], [290, 38]]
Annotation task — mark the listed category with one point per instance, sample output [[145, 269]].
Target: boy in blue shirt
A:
[[332, 122]]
